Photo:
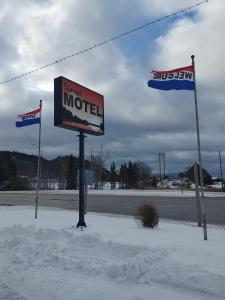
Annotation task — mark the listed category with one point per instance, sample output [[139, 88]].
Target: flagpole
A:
[[203, 206], [38, 168]]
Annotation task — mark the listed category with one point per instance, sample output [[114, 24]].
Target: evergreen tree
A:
[[154, 182], [123, 176], [135, 176], [71, 174], [2, 174], [130, 175], [207, 178], [11, 168], [113, 175], [9, 174]]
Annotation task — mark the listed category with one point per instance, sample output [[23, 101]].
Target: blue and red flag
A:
[[176, 79], [30, 118]]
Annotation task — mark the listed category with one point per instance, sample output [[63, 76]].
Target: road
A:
[[175, 208]]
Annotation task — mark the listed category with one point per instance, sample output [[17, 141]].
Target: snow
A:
[[217, 186], [158, 193], [113, 258]]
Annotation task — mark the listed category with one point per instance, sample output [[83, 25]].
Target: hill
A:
[[18, 169], [26, 164]]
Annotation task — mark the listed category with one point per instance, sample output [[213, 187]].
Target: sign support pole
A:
[[38, 168], [81, 222], [198, 205], [203, 206]]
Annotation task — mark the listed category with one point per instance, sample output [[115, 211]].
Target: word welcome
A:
[[178, 75]]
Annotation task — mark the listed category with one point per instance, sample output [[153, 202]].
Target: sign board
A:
[[77, 107]]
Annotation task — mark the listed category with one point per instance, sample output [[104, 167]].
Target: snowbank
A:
[[113, 258]]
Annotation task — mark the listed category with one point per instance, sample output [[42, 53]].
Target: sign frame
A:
[[77, 89]]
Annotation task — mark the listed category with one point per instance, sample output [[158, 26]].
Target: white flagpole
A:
[[203, 205], [38, 168]]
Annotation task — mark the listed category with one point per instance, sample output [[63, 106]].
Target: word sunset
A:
[[176, 79]]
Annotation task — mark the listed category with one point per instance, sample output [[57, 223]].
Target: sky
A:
[[140, 122]]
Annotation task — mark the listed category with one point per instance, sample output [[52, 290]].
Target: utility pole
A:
[[162, 166], [221, 171]]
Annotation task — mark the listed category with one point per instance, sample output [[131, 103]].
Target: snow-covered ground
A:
[[160, 193], [113, 258]]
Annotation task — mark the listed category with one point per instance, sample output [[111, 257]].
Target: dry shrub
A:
[[147, 214]]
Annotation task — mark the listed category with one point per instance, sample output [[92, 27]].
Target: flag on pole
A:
[[176, 79], [30, 118]]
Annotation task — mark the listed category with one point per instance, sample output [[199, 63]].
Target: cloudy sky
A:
[[139, 122]]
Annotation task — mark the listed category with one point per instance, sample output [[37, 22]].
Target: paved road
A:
[[176, 208]]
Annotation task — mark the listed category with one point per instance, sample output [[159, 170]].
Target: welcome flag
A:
[[176, 79], [29, 118]]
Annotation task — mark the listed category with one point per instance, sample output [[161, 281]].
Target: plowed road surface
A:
[[176, 208]]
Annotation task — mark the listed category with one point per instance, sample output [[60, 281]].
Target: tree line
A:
[[130, 175], [18, 172]]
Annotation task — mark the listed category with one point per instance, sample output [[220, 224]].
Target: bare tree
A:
[[98, 166], [144, 175]]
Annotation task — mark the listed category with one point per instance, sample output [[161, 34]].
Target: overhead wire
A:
[[116, 37]]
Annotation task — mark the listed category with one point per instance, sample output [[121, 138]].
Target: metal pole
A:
[[85, 191], [91, 169], [164, 165], [182, 186], [160, 173], [101, 167], [38, 168], [199, 154], [198, 204], [81, 222], [221, 170]]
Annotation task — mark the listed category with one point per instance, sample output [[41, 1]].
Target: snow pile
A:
[[28, 248], [48, 259]]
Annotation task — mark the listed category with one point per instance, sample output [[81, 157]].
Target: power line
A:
[[116, 37]]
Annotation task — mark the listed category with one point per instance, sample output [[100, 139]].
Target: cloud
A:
[[159, 7], [203, 37], [139, 122]]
